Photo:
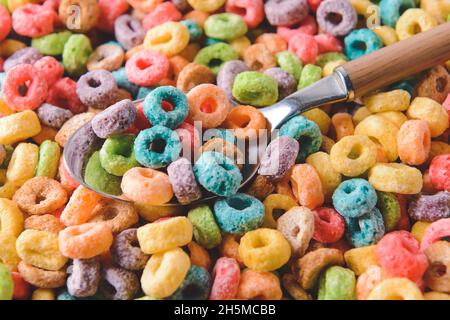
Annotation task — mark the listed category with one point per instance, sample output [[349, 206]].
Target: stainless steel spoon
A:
[[348, 82]]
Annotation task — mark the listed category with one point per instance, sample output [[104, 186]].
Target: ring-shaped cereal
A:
[[126, 253], [438, 256], [259, 285], [11, 218], [40, 195], [117, 215], [147, 68], [264, 249], [193, 75], [414, 142], [208, 104], [226, 277], [274, 203], [413, 21], [226, 148], [206, 5], [41, 278], [46, 222], [353, 155], [169, 38], [117, 154], [245, 121], [85, 241], [436, 231], [306, 186], [396, 178], [107, 56], [80, 206], [147, 186], [329, 226], [396, 289]]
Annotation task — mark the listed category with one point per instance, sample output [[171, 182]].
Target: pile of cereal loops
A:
[[358, 206]]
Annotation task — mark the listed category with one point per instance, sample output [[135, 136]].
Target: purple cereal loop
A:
[[336, 17], [84, 277], [129, 31], [125, 254], [53, 116], [116, 119], [286, 82], [26, 55], [227, 74], [286, 12], [125, 284], [430, 207], [278, 158], [97, 89], [183, 181]]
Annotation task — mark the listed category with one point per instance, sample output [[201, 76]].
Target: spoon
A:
[[348, 82]]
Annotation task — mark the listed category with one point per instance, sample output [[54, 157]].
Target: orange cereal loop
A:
[[230, 248], [198, 16], [414, 142], [147, 186], [199, 255], [80, 207], [208, 104], [257, 285], [306, 186], [273, 42], [343, 125], [85, 241], [190, 51], [245, 121], [283, 186], [177, 64], [46, 222], [47, 133], [193, 75], [258, 58]]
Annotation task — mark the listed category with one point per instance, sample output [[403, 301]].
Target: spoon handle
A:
[[399, 61]]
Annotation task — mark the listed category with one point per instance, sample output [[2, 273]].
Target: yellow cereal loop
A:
[[359, 259], [387, 35], [11, 218], [264, 249], [329, 177], [4, 109], [276, 202], [360, 114], [22, 166], [319, 117], [438, 148], [382, 131], [19, 126], [206, 5], [8, 252], [396, 117], [43, 294], [436, 296], [40, 249], [169, 38], [396, 100], [396, 177], [164, 273], [165, 235], [414, 21], [362, 7], [329, 68], [353, 155], [396, 289], [419, 228], [240, 44], [153, 213], [8, 190], [9, 46], [440, 9], [427, 109]]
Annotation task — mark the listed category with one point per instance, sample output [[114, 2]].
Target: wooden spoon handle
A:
[[400, 60]]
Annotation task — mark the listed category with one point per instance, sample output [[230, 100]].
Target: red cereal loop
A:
[[435, 232], [141, 121], [399, 255], [110, 10], [63, 94], [164, 12], [328, 43], [5, 26], [21, 287], [308, 26], [226, 275], [32, 20], [147, 68], [252, 11], [24, 88], [329, 226], [305, 47], [51, 69], [440, 172], [67, 181]]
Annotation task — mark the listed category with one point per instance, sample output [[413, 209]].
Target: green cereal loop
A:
[[97, 177], [215, 56], [290, 63], [323, 59], [206, 231], [76, 54], [117, 155], [255, 88], [337, 283], [49, 154], [6, 283], [310, 74], [225, 26], [390, 209], [51, 44]]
